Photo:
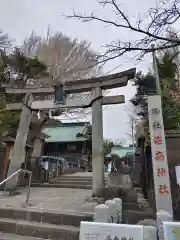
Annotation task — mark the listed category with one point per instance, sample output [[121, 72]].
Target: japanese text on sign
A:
[[158, 140], [161, 172], [156, 125], [159, 156], [155, 111], [90, 236], [163, 189], [116, 238]]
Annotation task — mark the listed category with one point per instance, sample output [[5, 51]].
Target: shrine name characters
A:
[[161, 172], [163, 189], [158, 140], [117, 238], [95, 236]]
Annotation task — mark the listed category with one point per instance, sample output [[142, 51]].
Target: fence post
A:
[[118, 203], [101, 213], [112, 210]]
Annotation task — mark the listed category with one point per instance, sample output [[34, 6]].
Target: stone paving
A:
[[80, 174], [84, 174], [62, 199], [6, 236]]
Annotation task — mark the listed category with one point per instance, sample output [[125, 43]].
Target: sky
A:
[[19, 18]]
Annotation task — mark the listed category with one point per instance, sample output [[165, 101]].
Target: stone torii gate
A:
[[41, 99]]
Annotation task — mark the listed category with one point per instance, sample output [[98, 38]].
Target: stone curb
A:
[[40, 230], [64, 218]]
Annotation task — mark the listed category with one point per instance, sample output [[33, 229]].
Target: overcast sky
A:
[[19, 18]]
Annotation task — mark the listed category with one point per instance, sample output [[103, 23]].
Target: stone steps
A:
[[65, 217], [59, 185], [134, 216], [39, 224], [71, 177], [68, 181], [7, 236], [40, 230], [72, 181], [135, 212]]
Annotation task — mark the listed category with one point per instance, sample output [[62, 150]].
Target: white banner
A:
[[110, 231], [159, 155]]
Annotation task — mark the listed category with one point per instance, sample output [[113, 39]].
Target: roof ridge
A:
[[60, 124]]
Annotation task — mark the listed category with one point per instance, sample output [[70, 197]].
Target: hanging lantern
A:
[[60, 95]]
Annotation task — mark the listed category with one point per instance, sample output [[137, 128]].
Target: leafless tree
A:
[[152, 28], [66, 58], [4, 40]]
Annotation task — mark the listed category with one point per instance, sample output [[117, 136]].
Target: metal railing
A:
[[29, 182]]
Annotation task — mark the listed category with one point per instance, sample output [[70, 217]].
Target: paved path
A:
[[6, 236], [80, 174], [83, 174], [62, 199]]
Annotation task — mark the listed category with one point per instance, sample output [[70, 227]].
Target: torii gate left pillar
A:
[[18, 153], [95, 85]]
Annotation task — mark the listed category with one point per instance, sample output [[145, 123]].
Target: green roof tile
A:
[[121, 152], [64, 133]]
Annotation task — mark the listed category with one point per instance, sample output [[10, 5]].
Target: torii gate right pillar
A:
[[97, 144]]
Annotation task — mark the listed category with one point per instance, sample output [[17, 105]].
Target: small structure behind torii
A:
[[38, 99]]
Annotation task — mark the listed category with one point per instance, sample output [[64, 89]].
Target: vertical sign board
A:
[[110, 231], [171, 230], [159, 155]]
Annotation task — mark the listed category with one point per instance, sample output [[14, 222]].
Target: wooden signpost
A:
[[43, 101]]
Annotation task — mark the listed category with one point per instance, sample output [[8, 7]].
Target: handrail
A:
[[29, 182]]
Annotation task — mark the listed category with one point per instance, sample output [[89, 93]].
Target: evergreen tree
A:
[[169, 81], [16, 70]]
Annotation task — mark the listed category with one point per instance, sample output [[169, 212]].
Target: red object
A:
[[161, 172], [158, 140], [163, 189], [159, 156]]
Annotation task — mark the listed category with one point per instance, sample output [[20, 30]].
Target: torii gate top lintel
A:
[[105, 82]]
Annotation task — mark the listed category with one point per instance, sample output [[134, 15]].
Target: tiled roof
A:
[[121, 151], [65, 132]]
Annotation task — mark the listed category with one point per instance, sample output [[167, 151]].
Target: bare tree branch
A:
[[4, 40], [153, 29], [67, 59]]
